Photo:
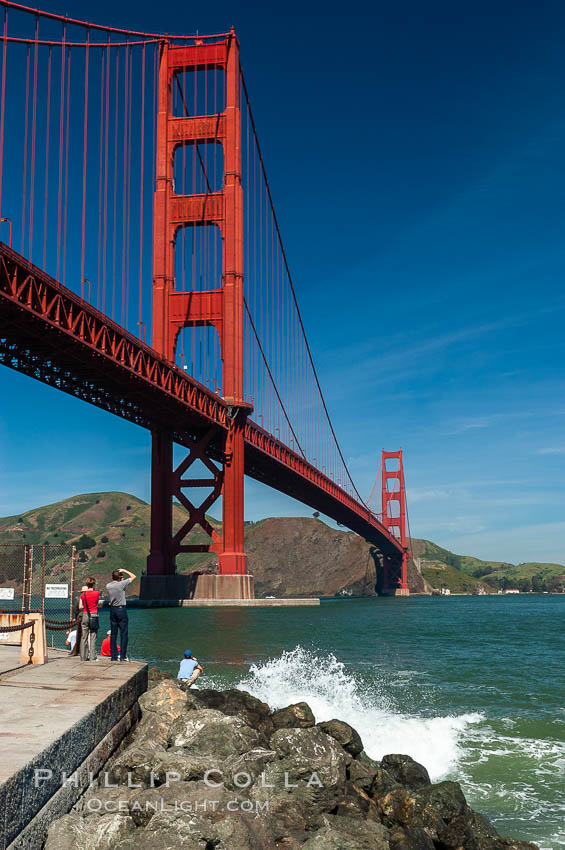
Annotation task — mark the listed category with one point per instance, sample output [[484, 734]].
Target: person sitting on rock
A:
[[189, 669], [105, 651]]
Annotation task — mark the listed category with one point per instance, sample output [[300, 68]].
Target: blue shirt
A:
[[187, 668]]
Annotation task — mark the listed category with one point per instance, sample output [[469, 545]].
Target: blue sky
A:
[[415, 155]]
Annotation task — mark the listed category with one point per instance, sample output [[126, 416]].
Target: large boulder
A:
[[406, 771], [361, 775], [486, 836], [400, 807], [160, 707], [458, 834], [306, 779], [383, 783], [152, 728], [244, 770], [405, 838], [431, 808], [101, 800], [234, 702], [297, 716], [92, 833], [177, 830], [347, 834], [356, 804], [166, 699], [184, 799], [344, 734], [209, 732], [235, 771], [445, 798], [136, 763], [179, 764], [311, 766]]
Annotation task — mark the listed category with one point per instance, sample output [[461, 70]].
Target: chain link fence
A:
[[39, 577]]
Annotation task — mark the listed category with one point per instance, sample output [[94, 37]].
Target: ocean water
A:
[[471, 687]]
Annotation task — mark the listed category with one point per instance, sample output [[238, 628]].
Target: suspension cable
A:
[[9, 4], [283, 252]]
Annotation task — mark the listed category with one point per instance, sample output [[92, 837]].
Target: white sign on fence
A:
[[6, 592], [5, 635], [56, 591]]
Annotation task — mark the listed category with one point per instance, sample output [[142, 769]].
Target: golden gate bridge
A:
[[128, 158]]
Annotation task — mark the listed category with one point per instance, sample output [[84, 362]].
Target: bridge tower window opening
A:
[[200, 91]]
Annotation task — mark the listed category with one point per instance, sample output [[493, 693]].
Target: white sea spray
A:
[[332, 691]]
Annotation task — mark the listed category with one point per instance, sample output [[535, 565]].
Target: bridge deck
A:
[[49, 333]]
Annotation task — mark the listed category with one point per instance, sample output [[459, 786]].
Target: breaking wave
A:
[[333, 692]]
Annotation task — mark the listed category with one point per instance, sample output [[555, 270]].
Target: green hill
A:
[[110, 530], [463, 573]]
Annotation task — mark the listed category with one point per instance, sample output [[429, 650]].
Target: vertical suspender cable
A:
[[84, 151], [182, 233], [100, 178], [115, 181], [124, 182], [47, 128], [3, 102], [215, 229], [183, 191], [195, 347], [66, 195], [24, 191], [207, 243], [106, 153], [128, 240], [61, 128], [249, 373], [141, 164], [33, 130]]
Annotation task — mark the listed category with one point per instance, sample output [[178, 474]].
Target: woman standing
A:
[[88, 604]]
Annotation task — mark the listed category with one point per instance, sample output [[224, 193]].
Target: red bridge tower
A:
[[220, 308], [394, 518]]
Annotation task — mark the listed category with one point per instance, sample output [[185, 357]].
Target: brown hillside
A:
[[300, 556]]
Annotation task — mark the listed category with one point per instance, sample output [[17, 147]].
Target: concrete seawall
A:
[[65, 717]]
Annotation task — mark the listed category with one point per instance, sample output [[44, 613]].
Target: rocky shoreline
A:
[[218, 770]]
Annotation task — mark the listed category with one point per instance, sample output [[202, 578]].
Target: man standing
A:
[[118, 612]]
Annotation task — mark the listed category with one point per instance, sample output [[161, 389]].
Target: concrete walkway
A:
[[54, 717]]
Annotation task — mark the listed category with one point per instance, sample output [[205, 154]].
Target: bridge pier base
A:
[[194, 586], [394, 579], [396, 591]]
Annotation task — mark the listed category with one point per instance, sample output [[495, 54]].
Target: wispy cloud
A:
[[517, 544], [467, 524], [431, 495], [409, 357], [555, 450]]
